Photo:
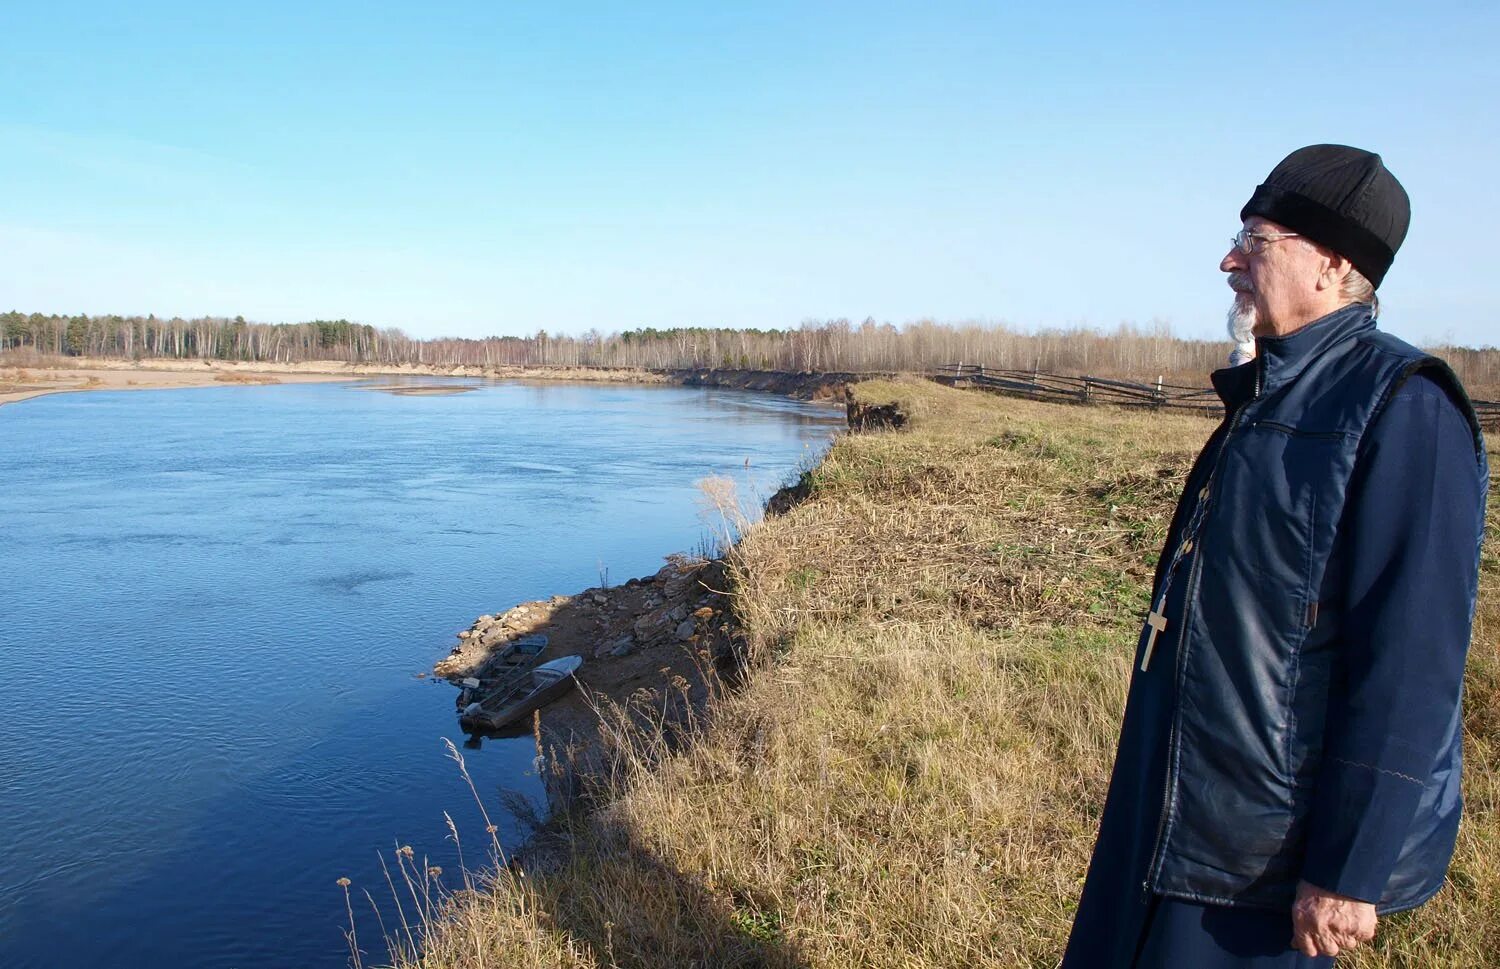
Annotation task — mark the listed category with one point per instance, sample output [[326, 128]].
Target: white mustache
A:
[[1240, 283]]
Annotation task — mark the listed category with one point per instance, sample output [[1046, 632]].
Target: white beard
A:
[[1241, 325], [1242, 319]]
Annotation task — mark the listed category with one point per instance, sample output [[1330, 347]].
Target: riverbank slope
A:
[[912, 770]]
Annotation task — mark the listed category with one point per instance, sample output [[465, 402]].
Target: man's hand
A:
[[1325, 923]]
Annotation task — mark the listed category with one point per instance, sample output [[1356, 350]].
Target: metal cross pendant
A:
[[1158, 623]]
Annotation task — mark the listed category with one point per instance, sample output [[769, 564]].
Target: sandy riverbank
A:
[[23, 383]]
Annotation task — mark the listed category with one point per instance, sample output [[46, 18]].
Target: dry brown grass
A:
[[27, 357], [20, 378], [245, 378], [911, 773]]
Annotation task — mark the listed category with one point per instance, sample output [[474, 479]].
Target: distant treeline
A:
[[834, 345]]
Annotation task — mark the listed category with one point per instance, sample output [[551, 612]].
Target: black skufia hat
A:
[[1340, 197]]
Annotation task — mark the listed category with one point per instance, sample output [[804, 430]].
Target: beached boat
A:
[[531, 691], [504, 669], [517, 650]]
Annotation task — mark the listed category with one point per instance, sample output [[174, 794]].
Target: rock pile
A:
[[490, 633], [679, 605]]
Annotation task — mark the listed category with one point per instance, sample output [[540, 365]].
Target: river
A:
[[214, 607]]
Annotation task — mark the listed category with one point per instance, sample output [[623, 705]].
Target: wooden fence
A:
[[1041, 385]]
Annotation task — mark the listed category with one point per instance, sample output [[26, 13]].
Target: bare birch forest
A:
[[833, 345]]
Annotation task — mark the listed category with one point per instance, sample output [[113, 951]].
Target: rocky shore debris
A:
[[803, 385], [636, 635]]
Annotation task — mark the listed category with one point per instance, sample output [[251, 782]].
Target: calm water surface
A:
[[213, 607]]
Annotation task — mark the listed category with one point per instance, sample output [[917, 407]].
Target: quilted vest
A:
[[1255, 657]]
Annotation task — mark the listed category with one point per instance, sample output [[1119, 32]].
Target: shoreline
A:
[[668, 633], [20, 382], [656, 650], [657, 633]]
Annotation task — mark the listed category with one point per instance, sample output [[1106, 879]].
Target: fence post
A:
[[1160, 397], [1087, 386]]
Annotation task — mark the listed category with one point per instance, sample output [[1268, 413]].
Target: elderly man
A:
[[1288, 767]]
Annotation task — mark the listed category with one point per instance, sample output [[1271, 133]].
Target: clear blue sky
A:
[[498, 167]]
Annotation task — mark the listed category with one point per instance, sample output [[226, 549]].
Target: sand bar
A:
[[22, 383]]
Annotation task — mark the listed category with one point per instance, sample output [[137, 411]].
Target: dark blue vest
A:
[[1256, 648]]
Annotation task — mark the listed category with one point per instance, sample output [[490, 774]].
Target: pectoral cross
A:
[[1158, 624]]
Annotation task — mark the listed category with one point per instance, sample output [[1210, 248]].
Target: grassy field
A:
[[912, 771]]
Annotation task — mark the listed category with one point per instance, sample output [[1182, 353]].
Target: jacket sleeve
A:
[[1413, 520]]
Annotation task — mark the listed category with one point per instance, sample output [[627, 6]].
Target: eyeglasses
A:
[[1245, 240]]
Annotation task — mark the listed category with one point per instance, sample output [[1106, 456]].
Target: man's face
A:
[[1275, 286]]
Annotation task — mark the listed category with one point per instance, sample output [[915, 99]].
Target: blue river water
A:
[[214, 604]]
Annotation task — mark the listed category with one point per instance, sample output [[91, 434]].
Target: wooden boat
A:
[[531, 691]]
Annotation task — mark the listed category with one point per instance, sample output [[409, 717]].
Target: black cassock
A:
[[1400, 509]]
